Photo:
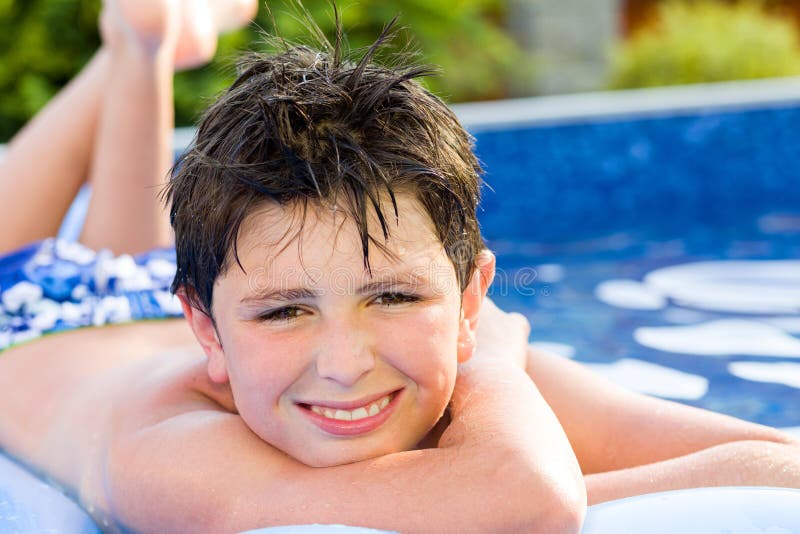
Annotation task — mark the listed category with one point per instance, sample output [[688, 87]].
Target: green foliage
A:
[[708, 41], [43, 43], [465, 38]]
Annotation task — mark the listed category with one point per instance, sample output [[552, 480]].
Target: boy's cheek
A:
[[419, 334], [265, 359], [424, 350]]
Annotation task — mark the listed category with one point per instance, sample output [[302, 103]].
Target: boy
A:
[[331, 269]]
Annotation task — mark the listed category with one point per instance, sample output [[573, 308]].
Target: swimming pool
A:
[[652, 235], [655, 236]]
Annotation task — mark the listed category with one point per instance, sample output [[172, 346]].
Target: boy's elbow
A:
[[562, 511], [568, 509], [553, 503], [540, 514]]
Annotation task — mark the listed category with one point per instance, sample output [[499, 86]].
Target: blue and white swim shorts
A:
[[55, 285]]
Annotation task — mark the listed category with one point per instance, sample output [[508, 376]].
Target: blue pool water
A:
[[584, 215], [568, 311]]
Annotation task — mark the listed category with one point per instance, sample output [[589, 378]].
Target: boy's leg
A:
[[133, 148], [48, 160], [146, 39], [133, 153]]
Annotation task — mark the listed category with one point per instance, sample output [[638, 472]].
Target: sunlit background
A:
[[487, 49]]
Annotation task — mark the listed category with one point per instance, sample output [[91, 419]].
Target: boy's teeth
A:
[[353, 415]]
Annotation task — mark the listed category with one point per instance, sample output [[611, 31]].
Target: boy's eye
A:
[[281, 314], [391, 299]]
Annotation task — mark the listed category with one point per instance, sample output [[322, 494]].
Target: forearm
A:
[[243, 484], [503, 465], [740, 463]]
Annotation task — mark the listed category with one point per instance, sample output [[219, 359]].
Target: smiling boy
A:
[[350, 370], [351, 365], [342, 284]]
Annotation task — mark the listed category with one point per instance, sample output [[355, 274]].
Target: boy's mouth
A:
[[338, 420]]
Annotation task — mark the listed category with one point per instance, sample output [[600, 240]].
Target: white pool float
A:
[[731, 510], [28, 505]]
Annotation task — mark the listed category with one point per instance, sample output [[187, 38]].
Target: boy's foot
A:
[[151, 25], [197, 40], [202, 21], [233, 14], [189, 27]]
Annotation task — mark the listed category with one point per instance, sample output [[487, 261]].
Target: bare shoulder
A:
[[74, 379], [177, 454], [612, 428], [178, 473], [146, 436]]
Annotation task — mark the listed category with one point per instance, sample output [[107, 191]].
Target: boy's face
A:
[[326, 362]]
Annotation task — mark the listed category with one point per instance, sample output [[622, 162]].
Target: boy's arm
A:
[[629, 444], [737, 463], [504, 464], [206, 471]]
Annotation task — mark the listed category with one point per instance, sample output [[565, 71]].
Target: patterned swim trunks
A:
[[55, 285]]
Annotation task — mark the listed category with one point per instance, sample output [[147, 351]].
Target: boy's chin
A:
[[345, 452], [333, 454], [334, 458]]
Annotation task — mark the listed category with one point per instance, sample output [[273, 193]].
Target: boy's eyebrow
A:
[[371, 287], [409, 279], [299, 293]]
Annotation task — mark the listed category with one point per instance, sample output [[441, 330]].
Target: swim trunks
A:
[[56, 285]]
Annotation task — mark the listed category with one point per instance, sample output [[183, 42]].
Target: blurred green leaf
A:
[[44, 43], [708, 41]]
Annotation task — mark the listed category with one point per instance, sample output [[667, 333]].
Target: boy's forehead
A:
[[290, 234]]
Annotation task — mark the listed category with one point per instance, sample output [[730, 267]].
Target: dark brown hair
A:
[[306, 125]]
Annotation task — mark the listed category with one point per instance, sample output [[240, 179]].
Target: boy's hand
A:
[[501, 336]]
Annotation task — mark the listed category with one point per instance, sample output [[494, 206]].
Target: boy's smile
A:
[[328, 362], [364, 416]]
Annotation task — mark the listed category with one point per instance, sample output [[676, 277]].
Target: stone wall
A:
[[569, 42]]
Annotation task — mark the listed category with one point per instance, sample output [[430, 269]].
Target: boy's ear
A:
[[206, 333], [471, 301]]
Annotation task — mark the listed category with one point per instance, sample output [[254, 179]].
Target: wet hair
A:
[[323, 127]]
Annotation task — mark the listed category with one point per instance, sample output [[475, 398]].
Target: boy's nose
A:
[[344, 355]]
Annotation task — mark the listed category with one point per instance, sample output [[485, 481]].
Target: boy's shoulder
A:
[[97, 388], [179, 455], [149, 431]]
